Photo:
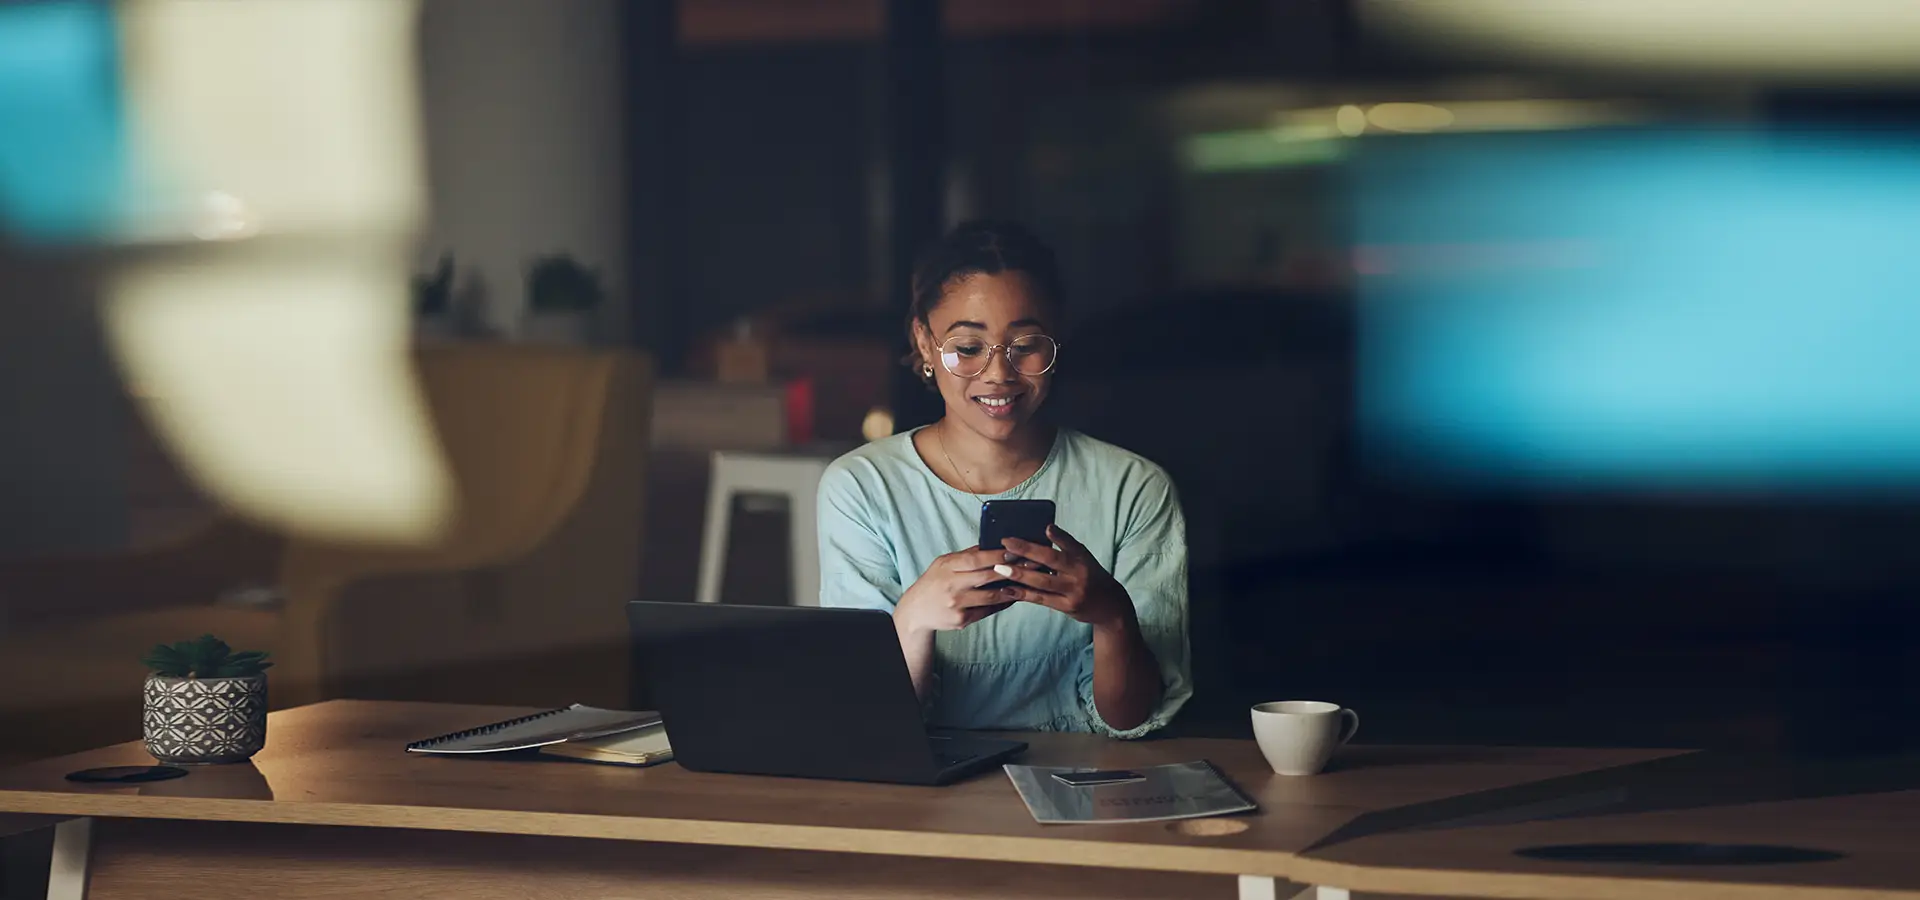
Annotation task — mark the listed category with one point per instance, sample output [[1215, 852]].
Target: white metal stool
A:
[[795, 477]]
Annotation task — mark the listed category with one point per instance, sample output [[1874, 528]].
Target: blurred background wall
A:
[[746, 177]]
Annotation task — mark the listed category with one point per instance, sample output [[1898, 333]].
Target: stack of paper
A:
[[640, 747]]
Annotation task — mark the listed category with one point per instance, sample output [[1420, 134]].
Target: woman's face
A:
[[997, 311]]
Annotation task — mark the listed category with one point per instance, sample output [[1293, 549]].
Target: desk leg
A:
[[72, 848], [1266, 887]]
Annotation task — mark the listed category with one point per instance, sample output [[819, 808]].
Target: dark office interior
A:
[[1538, 394]]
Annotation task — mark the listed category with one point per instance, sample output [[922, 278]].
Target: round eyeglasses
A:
[[967, 356]]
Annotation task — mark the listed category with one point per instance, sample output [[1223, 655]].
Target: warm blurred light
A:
[[225, 218], [1406, 116], [284, 387], [1351, 120], [323, 137], [877, 424], [1542, 115], [1354, 120], [279, 178], [1831, 38], [1317, 135], [1301, 134], [1305, 126]]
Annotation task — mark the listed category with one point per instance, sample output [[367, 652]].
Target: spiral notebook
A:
[[554, 726]]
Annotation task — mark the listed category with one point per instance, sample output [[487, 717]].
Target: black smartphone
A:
[[1023, 519], [1105, 776]]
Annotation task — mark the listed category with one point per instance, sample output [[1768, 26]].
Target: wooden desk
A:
[[349, 811], [1879, 833]]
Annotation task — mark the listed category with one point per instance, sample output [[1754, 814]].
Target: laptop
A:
[[801, 692]]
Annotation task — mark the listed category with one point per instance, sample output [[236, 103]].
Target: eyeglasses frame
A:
[[1005, 350]]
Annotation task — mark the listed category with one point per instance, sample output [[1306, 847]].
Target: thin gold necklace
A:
[[942, 438]]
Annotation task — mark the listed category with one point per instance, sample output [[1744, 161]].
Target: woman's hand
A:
[[1077, 586], [947, 597]]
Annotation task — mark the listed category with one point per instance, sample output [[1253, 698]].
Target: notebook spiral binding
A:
[[482, 730]]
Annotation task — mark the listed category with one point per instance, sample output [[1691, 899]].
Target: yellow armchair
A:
[[521, 602]]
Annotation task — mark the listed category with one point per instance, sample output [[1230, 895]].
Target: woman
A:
[[1092, 634]]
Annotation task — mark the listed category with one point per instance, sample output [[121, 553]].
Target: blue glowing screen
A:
[[62, 164], [1672, 309]]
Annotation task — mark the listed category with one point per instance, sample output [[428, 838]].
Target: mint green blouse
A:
[[884, 517]]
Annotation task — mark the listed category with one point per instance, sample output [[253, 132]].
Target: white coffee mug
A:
[[1298, 736]]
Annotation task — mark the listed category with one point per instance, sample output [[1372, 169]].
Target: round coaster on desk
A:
[[127, 774], [1679, 854]]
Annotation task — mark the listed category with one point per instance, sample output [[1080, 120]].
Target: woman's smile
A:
[[998, 405]]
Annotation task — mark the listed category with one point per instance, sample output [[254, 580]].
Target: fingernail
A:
[[1013, 557], [1003, 571]]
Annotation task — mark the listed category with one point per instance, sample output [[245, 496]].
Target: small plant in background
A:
[[204, 657], [433, 294], [559, 284]]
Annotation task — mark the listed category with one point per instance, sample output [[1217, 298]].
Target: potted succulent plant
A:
[[205, 703], [562, 295]]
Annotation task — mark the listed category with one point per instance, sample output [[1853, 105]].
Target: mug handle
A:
[[1350, 726]]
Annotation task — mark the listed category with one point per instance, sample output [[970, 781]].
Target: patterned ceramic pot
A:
[[205, 720]]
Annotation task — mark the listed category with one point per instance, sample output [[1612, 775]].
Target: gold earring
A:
[[926, 371]]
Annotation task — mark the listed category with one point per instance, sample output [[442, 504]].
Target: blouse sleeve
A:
[[857, 566], [1151, 563], [856, 557]]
